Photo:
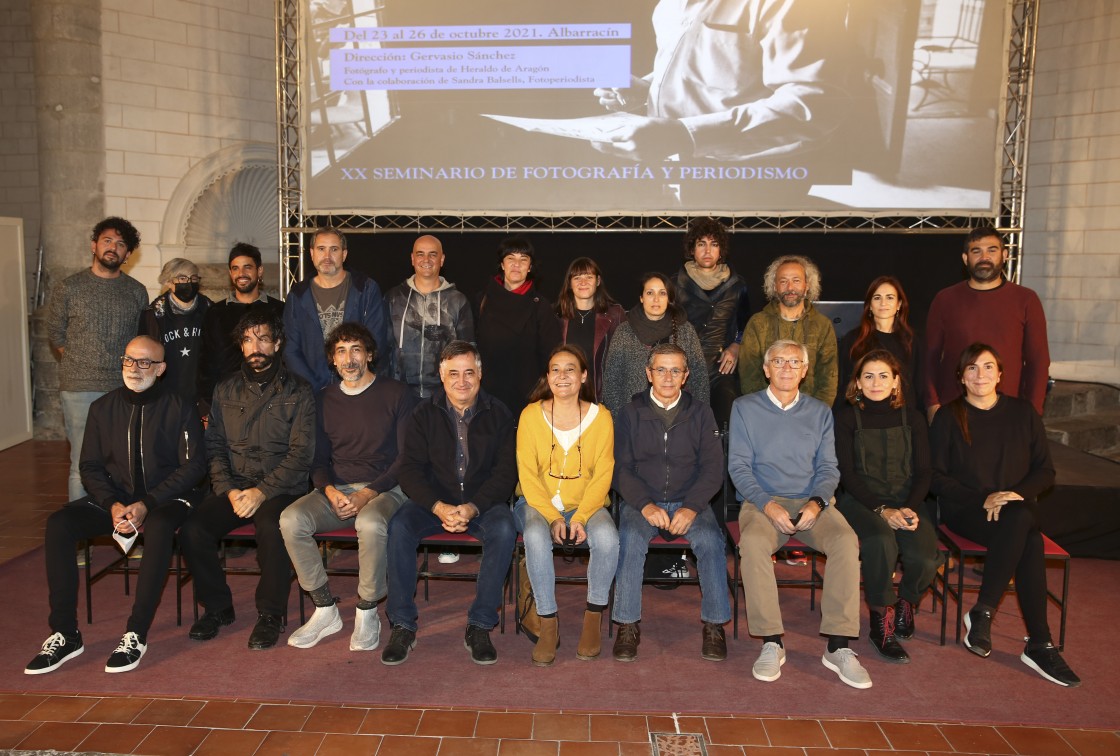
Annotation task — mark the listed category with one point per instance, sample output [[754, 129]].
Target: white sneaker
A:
[[367, 630], [844, 663], [448, 557], [323, 622], [768, 667]]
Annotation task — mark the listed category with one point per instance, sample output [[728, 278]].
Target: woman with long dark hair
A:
[[991, 461], [588, 316], [657, 320], [884, 324], [882, 450], [565, 463]]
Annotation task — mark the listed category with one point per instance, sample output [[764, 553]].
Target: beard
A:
[[985, 271], [792, 298], [110, 261], [140, 383], [259, 362], [245, 288]]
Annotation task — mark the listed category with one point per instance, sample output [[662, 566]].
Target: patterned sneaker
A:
[[768, 666], [56, 650], [128, 654], [844, 663]]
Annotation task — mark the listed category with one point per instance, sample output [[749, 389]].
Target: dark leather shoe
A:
[[978, 631], [207, 625], [881, 635], [266, 632], [904, 613], [715, 643], [626, 642], [401, 641], [482, 650]]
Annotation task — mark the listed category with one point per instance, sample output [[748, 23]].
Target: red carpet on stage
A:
[[942, 684]]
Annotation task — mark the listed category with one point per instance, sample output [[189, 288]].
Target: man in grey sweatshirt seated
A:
[[782, 460]]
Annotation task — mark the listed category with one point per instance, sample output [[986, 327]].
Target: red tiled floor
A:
[[588, 749], [290, 744], [1036, 741], [619, 727], [226, 742], [280, 717], [169, 712], [61, 709], [723, 750], [349, 745], [225, 714], [167, 740], [1092, 742], [528, 748], [335, 719], [795, 732], [15, 705], [917, 737], [469, 747], [61, 736], [11, 733], [851, 734], [493, 724], [406, 745], [974, 739], [115, 738], [735, 731], [391, 722], [772, 751], [119, 710], [561, 727], [456, 724]]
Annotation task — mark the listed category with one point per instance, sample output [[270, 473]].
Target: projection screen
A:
[[738, 107]]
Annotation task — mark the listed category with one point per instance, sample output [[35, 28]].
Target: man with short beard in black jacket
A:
[[141, 462], [260, 442]]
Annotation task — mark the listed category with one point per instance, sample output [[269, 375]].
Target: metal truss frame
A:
[[296, 224]]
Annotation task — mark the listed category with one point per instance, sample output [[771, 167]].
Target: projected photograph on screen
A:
[[749, 107]]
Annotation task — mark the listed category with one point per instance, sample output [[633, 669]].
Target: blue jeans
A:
[[412, 523], [602, 540], [75, 409], [708, 544]]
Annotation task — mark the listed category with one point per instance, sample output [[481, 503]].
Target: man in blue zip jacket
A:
[[141, 463]]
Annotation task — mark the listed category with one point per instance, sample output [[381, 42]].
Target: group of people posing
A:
[[348, 409]]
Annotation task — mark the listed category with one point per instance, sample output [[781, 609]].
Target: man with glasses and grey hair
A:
[[175, 319], [782, 460], [668, 466]]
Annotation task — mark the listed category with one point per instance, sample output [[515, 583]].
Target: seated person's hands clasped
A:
[[996, 501], [783, 523], [134, 514], [345, 506], [455, 518]]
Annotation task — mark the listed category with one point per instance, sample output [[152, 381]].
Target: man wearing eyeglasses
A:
[[259, 443], [782, 460], [175, 319], [141, 462], [458, 468], [92, 315], [668, 466]]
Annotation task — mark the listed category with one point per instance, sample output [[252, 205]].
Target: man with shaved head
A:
[[141, 462], [426, 314]]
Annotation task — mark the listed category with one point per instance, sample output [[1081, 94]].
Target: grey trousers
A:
[[830, 534], [313, 514]]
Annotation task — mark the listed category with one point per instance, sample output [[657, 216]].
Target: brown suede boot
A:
[[544, 653], [590, 639]]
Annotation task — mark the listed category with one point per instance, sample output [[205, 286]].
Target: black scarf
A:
[[650, 332]]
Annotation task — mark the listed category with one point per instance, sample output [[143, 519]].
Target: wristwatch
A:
[[821, 503], [879, 509]]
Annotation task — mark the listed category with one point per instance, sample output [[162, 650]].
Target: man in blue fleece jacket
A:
[[782, 460]]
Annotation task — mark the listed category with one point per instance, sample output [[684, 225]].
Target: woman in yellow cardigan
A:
[[565, 462]]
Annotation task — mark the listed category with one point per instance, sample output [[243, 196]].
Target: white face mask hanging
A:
[[124, 540]]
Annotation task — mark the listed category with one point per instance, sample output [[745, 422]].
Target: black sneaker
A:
[[978, 631], [1047, 662], [128, 654], [266, 632], [206, 627], [482, 650], [401, 642], [56, 650]]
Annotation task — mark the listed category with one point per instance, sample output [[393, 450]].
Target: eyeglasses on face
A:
[[780, 362], [143, 364], [186, 279], [661, 372]]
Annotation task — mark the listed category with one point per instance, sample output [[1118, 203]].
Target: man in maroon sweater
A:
[[987, 308]]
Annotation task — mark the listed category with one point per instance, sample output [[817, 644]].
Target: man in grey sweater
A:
[[92, 317]]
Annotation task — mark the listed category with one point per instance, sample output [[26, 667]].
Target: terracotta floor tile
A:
[[1036, 741], [736, 731], [335, 719], [723, 750], [61, 709], [115, 710], [15, 705], [469, 747], [167, 740], [561, 726], [619, 727], [570, 748], [164, 711], [494, 724], [795, 732], [61, 736], [895, 753], [643, 749], [391, 722], [453, 724], [754, 750], [349, 745], [917, 737], [852, 734], [280, 717], [1092, 742], [11, 733], [975, 739], [527, 748], [408, 745], [225, 715], [290, 744], [691, 724], [227, 742], [115, 738]]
